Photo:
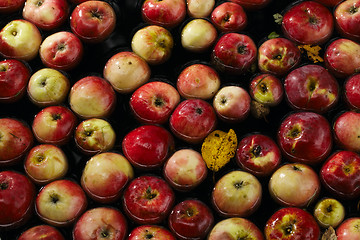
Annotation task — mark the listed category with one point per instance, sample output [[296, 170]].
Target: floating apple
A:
[[351, 92], [44, 232], [329, 212], [346, 130], [347, 19], [229, 17], [155, 232], [199, 8], [266, 89], [7, 7], [348, 229]]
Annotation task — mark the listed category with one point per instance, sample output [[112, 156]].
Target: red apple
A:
[[126, 71], [93, 21], [295, 185], [346, 129], [351, 92], [48, 87], [308, 22], [105, 176], [229, 17], [43, 232], [278, 56], [311, 88], [7, 7], [234, 53], [94, 136], [258, 154], [92, 97], [185, 170], [46, 14], [154, 102], [46, 163], [154, 232], [101, 223], [340, 174], [342, 57], [16, 139], [252, 5], [234, 229], [266, 89], [305, 137], [347, 19], [329, 212], [54, 125], [14, 77], [20, 39], [17, 194], [148, 200], [237, 194], [191, 219], [292, 223], [148, 147], [165, 13], [198, 81], [60, 203], [349, 229], [61, 50], [199, 8], [232, 104], [192, 120], [329, 3]]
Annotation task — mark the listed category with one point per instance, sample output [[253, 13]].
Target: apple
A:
[[198, 35], [266, 89], [292, 223], [105, 176], [54, 125], [43, 232], [308, 22], [46, 163], [61, 50], [347, 19], [305, 137], [16, 139], [232, 104], [342, 57], [185, 170], [199, 8], [192, 120], [153, 102], [311, 88], [46, 14], [126, 72], [236, 194], [93, 21], [148, 199], [148, 147], [14, 77], [329, 3], [165, 13], [351, 92], [229, 17], [329, 212], [346, 128], [278, 56], [101, 223], [191, 219], [17, 194], [7, 7], [234, 53], [258, 154], [235, 228], [153, 43], [153, 232], [47, 87], [60, 203], [94, 136], [252, 5], [340, 174], [348, 229], [198, 81], [20, 39], [294, 185], [92, 97]]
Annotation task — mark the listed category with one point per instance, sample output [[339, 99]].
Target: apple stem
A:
[[104, 234], [296, 168], [353, 9], [54, 198], [14, 33], [239, 185], [242, 49], [148, 235], [149, 193], [256, 150], [198, 111], [39, 3], [56, 116], [4, 185], [96, 14], [329, 208]]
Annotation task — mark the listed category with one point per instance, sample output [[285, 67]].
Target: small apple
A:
[[329, 212], [126, 71], [229, 17], [237, 194], [199, 8], [153, 102], [7, 7], [252, 5], [60, 203], [347, 19], [45, 163], [47, 87], [198, 81], [346, 129], [105, 176], [153, 43], [266, 89], [351, 92], [153, 232], [20, 39], [349, 229], [43, 232], [14, 77], [93, 21]]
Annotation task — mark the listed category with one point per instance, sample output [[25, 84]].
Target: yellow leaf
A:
[[312, 52], [218, 148]]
